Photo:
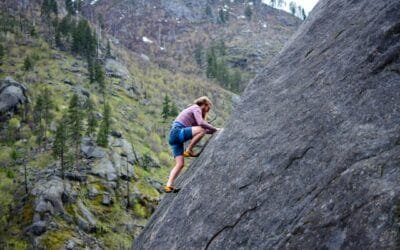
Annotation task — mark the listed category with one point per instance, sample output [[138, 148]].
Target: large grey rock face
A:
[[310, 157]]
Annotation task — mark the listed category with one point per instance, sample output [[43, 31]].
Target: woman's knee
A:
[[203, 131], [179, 161], [198, 130]]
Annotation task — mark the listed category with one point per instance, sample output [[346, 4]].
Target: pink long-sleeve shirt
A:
[[192, 116]]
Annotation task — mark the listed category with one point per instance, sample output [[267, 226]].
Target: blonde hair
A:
[[203, 100]]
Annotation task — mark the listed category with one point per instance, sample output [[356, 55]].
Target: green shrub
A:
[[165, 159], [155, 142], [10, 174], [5, 156], [140, 210]]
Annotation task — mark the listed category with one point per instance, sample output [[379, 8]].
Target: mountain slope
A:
[[310, 157], [89, 208], [170, 31]]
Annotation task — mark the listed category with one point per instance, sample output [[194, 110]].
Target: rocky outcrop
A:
[[110, 165], [12, 94], [87, 221], [82, 93], [310, 157], [116, 69], [49, 196], [90, 150], [105, 169]]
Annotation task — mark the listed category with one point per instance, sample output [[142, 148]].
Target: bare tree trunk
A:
[[62, 164], [128, 178], [26, 178], [77, 154]]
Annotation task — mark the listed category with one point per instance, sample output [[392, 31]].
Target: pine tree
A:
[[1, 54], [83, 39], [47, 109], [75, 124], [222, 74], [208, 11], [100, 18], [78, 36], [256, 2], [102, 136], [211, 70], [99, 74], [91, 69], [99, 77], [26, 177], [28, 63], [32, 32], [108, 52], [248, 13], [78, 5], [173, 110], [198, 54], [12, 130], [226, 15], [84, 42], [105, 126], [44, 11], [54, 7], [221, 16], [303, 13], [60, 148], [57, 38], [15, 155], [37, 118], [69, 5], [91, 118], [235, 80], [166, 108], [293, 7], [92, 46], [66, 25], [281, 3], [222, 47], [49, 7]]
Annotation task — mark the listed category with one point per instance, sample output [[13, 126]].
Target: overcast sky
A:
[[306, 4]]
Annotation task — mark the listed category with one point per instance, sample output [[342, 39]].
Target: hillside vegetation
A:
[[90, 206]]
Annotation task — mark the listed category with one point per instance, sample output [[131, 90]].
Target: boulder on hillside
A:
[[116, 69], [105, 169], [49, 194], [12, 94], [90, 150], [87, 221], [82, 93]]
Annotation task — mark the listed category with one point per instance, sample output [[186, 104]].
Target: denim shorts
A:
[[177, 136]]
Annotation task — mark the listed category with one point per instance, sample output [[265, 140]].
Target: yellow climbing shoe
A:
[[171, 189], [190, 153]]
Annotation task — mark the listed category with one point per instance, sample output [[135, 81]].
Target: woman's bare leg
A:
[[198, 133], [179, 162]]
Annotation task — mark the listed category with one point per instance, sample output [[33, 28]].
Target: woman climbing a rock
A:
[[190, 124]]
